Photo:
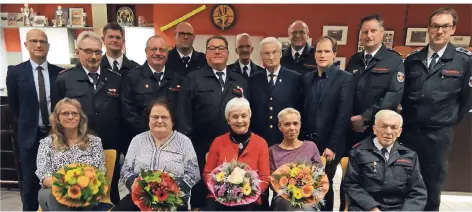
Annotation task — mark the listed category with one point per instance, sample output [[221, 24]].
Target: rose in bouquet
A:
[[234, 183], [156, 190], [79, 185], [301, 184]]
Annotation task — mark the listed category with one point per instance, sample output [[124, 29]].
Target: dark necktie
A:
[[94, 77], [271, 82], [186, 60], [115, 67], [384, 151], [434, 57], [158, 76], [43, 104], [220, 78], [367, 59], [245, 74], [297, 57]]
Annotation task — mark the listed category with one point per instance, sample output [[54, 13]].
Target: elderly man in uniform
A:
[[202, 103], [149, 82], [437, 95], [98, 91], [382, 174], [244, 65], [299, 55], [183, 59]]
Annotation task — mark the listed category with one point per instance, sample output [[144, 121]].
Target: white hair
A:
[[390, 114], [270, 40], [239, 36], [88, 34], [288, 111], [235, 104]]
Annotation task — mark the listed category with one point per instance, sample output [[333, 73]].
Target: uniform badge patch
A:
[[470, 82], [400, 77]]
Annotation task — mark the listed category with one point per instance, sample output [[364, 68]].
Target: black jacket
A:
[[102, 106], [441, 97], [377, 86], [175, 63], [140, 88], [125, 67], [265, 106], [237, 68], [305, 64], [394, 185], [333, 111]]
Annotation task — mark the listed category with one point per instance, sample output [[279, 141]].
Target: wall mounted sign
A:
[[125, 16], [223, 16]]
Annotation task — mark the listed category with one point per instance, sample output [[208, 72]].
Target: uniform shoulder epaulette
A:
[[413, 52], [135, 68], [65, 70], [356, 145], [463, 50], [394, 51]]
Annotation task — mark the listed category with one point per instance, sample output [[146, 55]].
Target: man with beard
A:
[[183, 59], [203, 100], [299, 55], [437, 96], [244, 64], [98, 91]]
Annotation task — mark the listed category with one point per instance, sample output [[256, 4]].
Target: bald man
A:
[[183, 59], [299, 55], [31, 96], [244, 64]]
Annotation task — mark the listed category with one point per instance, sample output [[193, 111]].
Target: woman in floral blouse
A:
[[69, 142]]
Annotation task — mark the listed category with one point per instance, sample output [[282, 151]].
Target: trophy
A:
[[85, 20], [26, 11], [53, 23], [46, 22], [59, 17], [141, 21]]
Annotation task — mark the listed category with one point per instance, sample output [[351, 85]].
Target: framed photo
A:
[[4, 17], [387, 40], [340, 62], [417, 37], [337, 32], [39, 20], [460, 41], [76, 17], [285, 41]]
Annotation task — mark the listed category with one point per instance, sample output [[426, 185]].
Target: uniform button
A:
[[271, 126], [270, 108], [270, 99], [96, 113], [270, 117]]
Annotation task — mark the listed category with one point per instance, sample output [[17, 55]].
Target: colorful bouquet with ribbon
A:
[[234, 183], [79, 185], [156, 190], [301, 184]]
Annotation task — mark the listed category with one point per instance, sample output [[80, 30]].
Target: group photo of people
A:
[[190, 130]]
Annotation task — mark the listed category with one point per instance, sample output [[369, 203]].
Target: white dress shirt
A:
[[276, 73], [181, 56], [47, 86], [153, 71], [431, 52], [295, 51], [223, 76], [119, 60], [90, 78], [248, 67]]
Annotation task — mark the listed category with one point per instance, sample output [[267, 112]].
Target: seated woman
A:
[[241, 145], [69, 142], [160, 148], [291, 150]]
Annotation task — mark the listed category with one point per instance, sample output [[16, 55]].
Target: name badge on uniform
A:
[[400, 77], [112, 92]]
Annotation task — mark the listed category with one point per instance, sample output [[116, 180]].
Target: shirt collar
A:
[[374, 52], [119, 59], [163, 69], [224, 72], [242, 65], [299, 51], [34, 65], [87, 71], [181, 55], [276, 72], [380, 147], [440, 52]]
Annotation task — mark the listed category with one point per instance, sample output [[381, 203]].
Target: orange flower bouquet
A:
[[301, 184], [79, 185]]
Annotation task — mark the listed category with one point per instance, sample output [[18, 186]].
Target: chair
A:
[[344, 162]]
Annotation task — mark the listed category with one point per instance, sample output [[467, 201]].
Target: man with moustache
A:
[[98, 91], [244, 64], [299, 56], [183, 59], [203, 100], [149, 82], [327, 109], [437, 96], [114, 59], [31, 96]]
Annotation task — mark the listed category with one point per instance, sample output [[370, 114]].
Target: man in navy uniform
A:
[[244, 65], [299, 55]]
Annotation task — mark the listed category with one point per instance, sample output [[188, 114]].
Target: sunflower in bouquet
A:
[[156, 190], [234, 183], [79, 185], [301, 184]]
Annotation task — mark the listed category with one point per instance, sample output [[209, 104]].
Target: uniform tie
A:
[[220, 78], [434, 57], [271, 82], [186, 60], [158, 76], [94, 77], [115, 67], [245, 74], [297, 57], [367, 59], [384, 152]]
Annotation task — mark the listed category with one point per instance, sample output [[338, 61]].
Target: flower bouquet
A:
[[301, 184], [156, 190], [79, 185], [234, 183]]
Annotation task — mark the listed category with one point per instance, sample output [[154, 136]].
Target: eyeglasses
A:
[[443, 27], [244, 47], [90, 51], [35, 42], [295, 33], [67, 114], [268, 54], [183, 34], [154, 50], [156, 118], [219, 48]]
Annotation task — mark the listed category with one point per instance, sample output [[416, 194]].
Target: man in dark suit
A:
[[32, 96], [327, 109], [183, 59], [272, 90], [244, 64], [98, 91], [149, 82], [299, 55], [203, 100]]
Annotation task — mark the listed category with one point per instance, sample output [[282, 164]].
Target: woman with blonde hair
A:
[[69, 142]]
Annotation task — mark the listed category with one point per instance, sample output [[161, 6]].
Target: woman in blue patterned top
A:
[[160, 148], [69, 142]]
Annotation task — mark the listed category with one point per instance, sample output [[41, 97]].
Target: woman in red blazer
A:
[[239, 144]]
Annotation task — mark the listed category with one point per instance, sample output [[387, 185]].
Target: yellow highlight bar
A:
[[183, 18]]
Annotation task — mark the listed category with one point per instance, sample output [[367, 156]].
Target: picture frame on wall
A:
[[416, 37], [387, 40], [460, 41], [340, 62], [337, 32], [39, 20], [76, 17]]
